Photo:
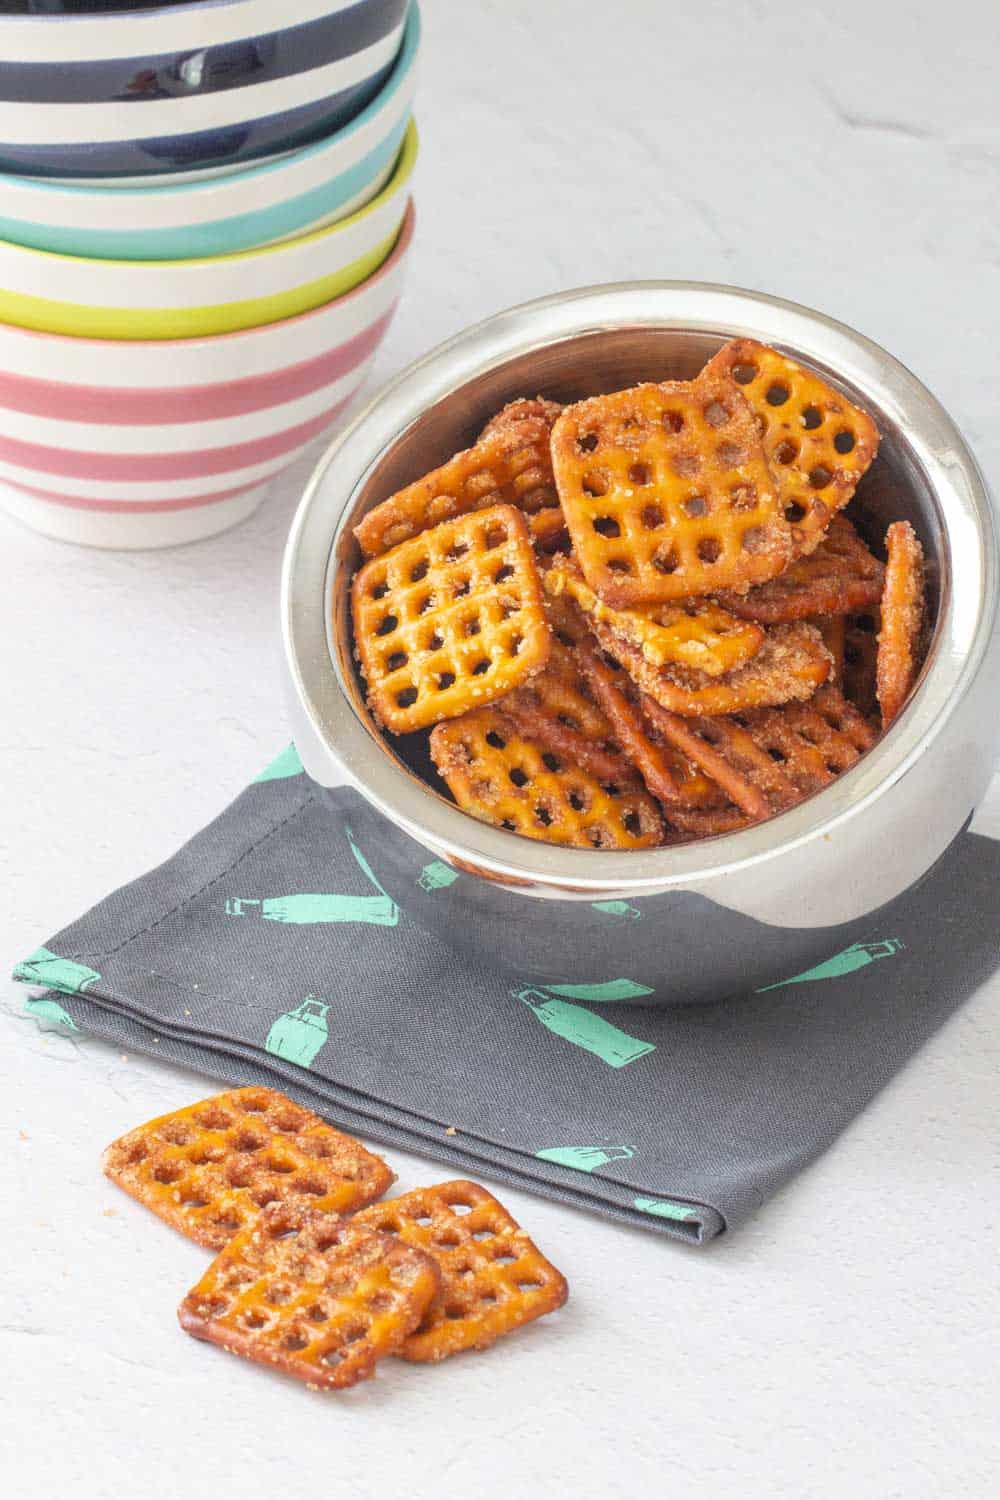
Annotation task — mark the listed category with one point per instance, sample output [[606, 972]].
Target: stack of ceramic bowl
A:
[[204, 220]]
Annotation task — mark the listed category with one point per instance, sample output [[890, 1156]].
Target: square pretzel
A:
[[493, 1278], [210, 1169], [839, 577], [499, 776], [790, 665], [902, 616], [695, 633], [315, 1296], [667, 494], [450, 620], [520, 410], [818, 443], [510, 465]]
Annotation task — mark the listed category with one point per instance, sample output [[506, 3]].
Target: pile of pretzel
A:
[[644, 618], [312, 1275]]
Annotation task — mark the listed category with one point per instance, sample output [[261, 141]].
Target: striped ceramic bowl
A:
[[167, 219], [180, 299], [154, 444], [181, 86]]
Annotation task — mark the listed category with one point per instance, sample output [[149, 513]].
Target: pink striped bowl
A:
[[132, 444]]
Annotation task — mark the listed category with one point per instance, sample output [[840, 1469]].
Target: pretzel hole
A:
[[587, 442], [489, 1299], [865, 623], [229, 1221], [754, 540], [695, 505], [294, 1342], [686, 465], [482, 1234], [717, 414], [652, 517], [265, 1196], [213, 1307], [594, 485], [776, 394], [543, 815], [731, 455], [496, 740], [516, 643], [424, 604], [214, 1118], [446, 680], [379, 590], [786, 451], [435, 642], [743, 374], [331, 1358], [503, 573], [419, 570], [811, 417], [794, 512], [517, 776], [482, 666], [407, 697], [204, 1154], [453, 1313], [456, 550], [168, 1172], [473, 626], [328, 1239], [192, 1198], [619, 565], [820, 477], [844, 440], [177, 1134], [352, 1333], [316, 1313], [510, 827], [633, 823], [530, 1286], [447, 1239], [459, 1206], [461, 588], [279, 1294], [249, 1140], [394, 661], [386, 625], [673, 421], [666, 561], [606, 526], [313, 1186], [576, 802], [640, 474], [136, 1153], [776, 754], [743, 497]]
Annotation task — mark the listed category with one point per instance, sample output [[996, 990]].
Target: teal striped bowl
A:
[[243, 209]]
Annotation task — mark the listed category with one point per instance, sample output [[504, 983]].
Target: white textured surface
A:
[[845, 1342]]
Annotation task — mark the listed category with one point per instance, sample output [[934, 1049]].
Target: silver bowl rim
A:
[[961, 640]]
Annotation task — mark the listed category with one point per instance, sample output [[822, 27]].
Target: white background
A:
[[845, 1342]]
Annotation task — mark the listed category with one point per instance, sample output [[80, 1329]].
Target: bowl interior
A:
[[895, 487]]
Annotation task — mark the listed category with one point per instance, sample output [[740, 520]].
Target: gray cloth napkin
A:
[[283, 945]]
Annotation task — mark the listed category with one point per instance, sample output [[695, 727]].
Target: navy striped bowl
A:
[[208, 83]]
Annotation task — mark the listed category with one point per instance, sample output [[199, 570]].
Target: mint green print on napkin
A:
[[44, 967], [282, 766], [437, 876], [581, 1027], [585, 1158], [299, 1035], [617, 909], [602, 994], [857, 956], [663, 1208], [47, 1009], [310, 908]]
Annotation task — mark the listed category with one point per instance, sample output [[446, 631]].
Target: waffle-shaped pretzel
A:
[[669, 776], [556, 710], [724, 750], [450, 620], [318, 1297], [791, 665], [667, 494], [520, 410], [812, 742], [860, 660], [902, 619], [695, 633], [210, 1168], [512, 466], [833, 629], [817, 443], [840, 576], [493, 1278], [497, 775]]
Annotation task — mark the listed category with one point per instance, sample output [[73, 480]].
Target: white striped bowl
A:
[[182, 86], [170, 219], [171, 299], [159, 443]]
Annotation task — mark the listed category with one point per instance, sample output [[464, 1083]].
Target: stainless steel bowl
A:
[[722, 914]]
